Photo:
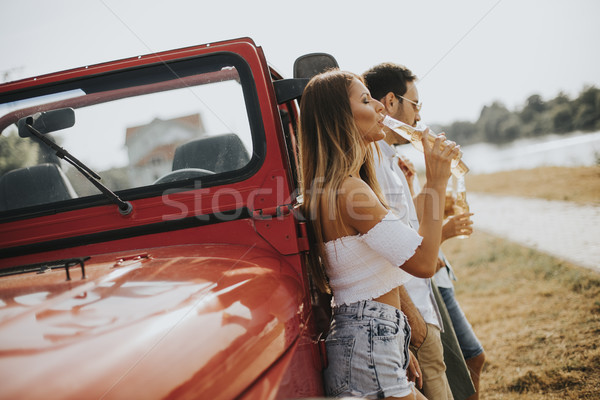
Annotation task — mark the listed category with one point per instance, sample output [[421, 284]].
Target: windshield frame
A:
[[153, 77]]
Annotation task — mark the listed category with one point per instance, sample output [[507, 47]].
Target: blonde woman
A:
[[362, 253]]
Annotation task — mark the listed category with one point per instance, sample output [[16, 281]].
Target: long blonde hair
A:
[[331, 146]]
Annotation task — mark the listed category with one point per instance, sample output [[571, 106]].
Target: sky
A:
[[466, 53]]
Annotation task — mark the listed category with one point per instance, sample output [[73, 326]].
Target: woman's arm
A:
[[361, 209], [432, 198]]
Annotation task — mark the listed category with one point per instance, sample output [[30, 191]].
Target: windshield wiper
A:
[[54, 120], [42, 267]]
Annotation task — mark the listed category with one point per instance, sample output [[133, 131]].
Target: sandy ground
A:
[[563, 229]]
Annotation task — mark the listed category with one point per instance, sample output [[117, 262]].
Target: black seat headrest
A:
[[30, 186], [218, 154]]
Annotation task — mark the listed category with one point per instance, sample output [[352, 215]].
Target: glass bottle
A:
[[460, 202], [450, 198], [414, 135]]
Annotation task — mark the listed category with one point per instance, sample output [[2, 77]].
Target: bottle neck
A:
[[460, 184]]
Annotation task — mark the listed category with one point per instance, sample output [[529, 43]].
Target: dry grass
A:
[[537, 317], [579, 184]]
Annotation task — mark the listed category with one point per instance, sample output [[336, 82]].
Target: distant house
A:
[[151, 147]]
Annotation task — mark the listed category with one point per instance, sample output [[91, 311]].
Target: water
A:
[[552, 150], [571, 233]]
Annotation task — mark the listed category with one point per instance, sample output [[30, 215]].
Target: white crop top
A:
[[363, 267]]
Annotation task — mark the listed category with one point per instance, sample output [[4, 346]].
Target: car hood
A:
[[178, 321]]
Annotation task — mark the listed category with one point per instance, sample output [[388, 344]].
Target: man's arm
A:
[[417, 324]]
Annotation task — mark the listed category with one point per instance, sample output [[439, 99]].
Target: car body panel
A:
[[215, 311]]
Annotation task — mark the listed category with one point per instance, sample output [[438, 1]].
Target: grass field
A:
[[580, 184], [538, 317]]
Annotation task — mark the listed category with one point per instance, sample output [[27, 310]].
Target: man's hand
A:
[[409, 171], [413, 373], [460, 224], [440, 264]]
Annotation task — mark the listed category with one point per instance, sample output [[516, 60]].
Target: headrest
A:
[[30, 186], [220, 153]]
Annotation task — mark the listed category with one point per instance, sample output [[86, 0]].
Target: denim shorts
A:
[[469, 344], [367, 351]]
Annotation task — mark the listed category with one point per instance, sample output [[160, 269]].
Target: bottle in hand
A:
[[414, 135], [461, 206]]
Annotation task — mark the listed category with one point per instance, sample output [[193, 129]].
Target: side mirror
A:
[[309, 65], [47, 121], [305, 67]]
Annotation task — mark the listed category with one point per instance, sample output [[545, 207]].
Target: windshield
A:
[[141, 130]]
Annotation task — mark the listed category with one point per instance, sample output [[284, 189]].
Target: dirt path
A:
[[563, 229]]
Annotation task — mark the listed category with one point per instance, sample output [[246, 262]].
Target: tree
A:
[[509, 129], [587, 112], [589, 96], [585, 118], [560, 99], [464, 132], [533, 107], [489, 121], [16, 152], [562, 118]]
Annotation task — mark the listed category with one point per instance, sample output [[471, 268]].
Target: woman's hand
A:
[[460, 224], [413, 372], [438, 157]]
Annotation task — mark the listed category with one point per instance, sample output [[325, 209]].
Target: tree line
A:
[[560, 115]]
